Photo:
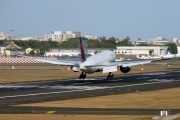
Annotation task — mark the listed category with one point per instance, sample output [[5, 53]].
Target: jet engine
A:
[[75, 69], [125, 69]]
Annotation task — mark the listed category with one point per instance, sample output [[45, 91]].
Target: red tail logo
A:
[[83, 58]]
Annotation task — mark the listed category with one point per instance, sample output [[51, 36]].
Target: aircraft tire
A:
[[84, 76], [112, 76]]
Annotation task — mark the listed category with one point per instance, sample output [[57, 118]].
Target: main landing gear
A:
[[110, 76], [83, 75]]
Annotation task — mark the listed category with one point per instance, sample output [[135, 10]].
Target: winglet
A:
[[83, 58]]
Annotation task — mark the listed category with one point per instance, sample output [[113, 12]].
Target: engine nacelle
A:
[[125, 69], [75, 69]]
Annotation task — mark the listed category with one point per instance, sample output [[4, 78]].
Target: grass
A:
[[70, 117], [164, 99]]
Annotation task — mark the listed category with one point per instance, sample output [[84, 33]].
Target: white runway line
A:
[[116, 80], [37, 94], [154, 73], [164, 80], [80, 83]]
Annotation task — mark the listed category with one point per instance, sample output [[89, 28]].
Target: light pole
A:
[[12, 34]]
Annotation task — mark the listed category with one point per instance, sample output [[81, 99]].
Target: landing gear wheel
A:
[[110, 76], [82, 75]]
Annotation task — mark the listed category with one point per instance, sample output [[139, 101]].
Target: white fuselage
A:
[[95, 63]]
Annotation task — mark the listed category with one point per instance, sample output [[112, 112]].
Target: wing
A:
[[56, 62], [133, 62], [122, 63], [129, 63], [112, 66], [59, 62]]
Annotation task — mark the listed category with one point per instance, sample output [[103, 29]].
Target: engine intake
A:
[[125, 69]]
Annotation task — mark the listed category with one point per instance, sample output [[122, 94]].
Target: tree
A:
[[42, 52], [32, 52], [125, 42], [70, 43], [173, 47], [111, 41], [33, 43], [96, 44], [102, 38]]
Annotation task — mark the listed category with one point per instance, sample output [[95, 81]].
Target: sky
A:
[[118, 18]]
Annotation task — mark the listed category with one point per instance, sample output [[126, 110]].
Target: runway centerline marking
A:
[[84, 88]]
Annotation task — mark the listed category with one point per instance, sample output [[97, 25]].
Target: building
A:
[[28, 50], [2, 36], [89, 37], [149, 50], [7, 48], [161, 42], [157, 41], [140, 42], [178, 49], [62, 36]]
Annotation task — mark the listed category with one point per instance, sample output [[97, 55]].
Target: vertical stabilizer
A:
[[83, 58]]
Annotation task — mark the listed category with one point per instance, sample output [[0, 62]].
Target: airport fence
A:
[[19, 60]]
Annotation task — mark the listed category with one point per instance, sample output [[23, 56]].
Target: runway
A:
[[32, 92]]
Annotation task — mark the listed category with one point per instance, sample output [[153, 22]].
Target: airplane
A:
[[100, 62], [169, 55], [177, 55], [142, 57], [148, 57]]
